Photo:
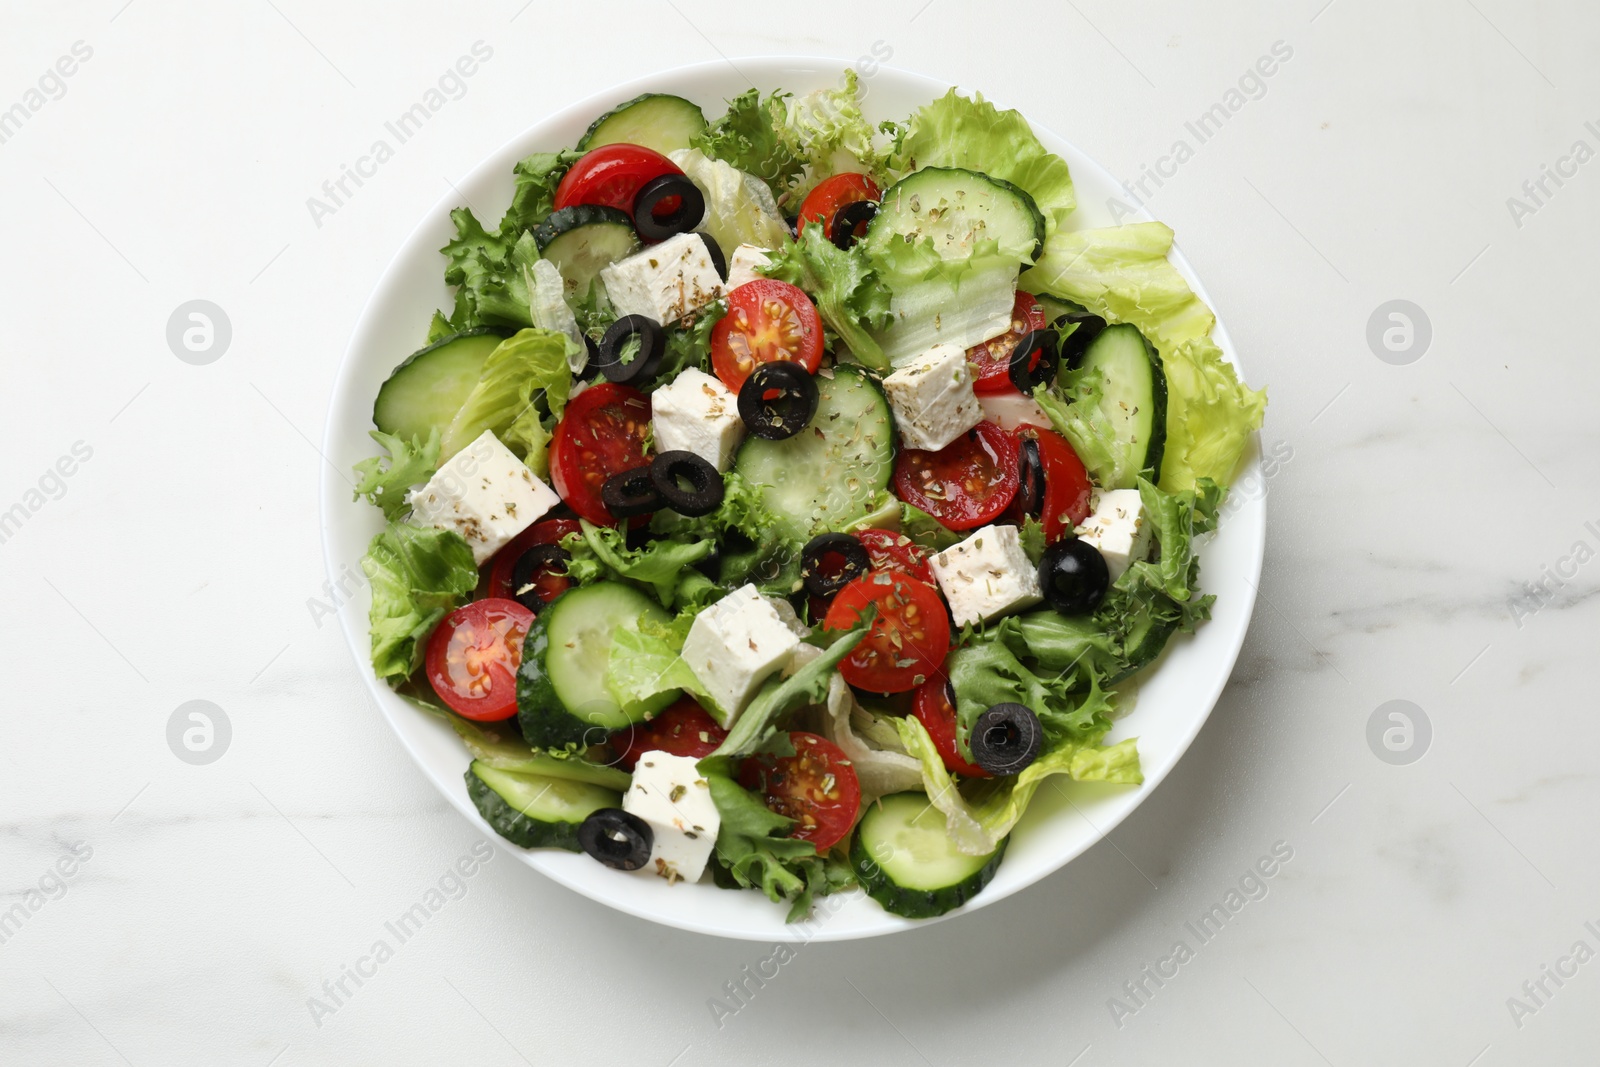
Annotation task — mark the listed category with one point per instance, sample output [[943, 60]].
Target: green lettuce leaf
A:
[[417, 575], [754, 850], [409, 464], [850, 297], [534, 199], [1074, 409], [664, 566], [754, 137], [525, 377], [981, 813], [833, 137], [1122, 274], [955, 131]]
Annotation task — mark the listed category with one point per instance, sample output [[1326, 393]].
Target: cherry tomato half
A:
[[890, 551], [1066, 483], [473, 658], [934, 708], [612, 175], [991, 372], [909, 637], [503, 566], [966, 483], [833, 193], [767, 320], [683, 729], [603, 432], [816, 787]]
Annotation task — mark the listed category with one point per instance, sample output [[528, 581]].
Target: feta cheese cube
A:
[[485, 494], [697, 413], [933, 399], [733, 646], [987, 575], [669, 794], [1119, 528], [665, 282], [743, 263]]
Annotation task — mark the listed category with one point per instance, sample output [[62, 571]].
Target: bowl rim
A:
[[1249, 522]]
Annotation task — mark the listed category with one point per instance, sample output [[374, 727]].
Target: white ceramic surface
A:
[[1173, 699]]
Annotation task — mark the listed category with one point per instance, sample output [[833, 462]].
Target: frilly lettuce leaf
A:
[[833, 137], [1122, 274], [754, 850], [409, 464], [850, 297], [417, 575], [980, 814], [955, 131], [664, 566], [524, 377], [754, 137]]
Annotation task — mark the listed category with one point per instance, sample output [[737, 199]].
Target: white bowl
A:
[[1173, 700]]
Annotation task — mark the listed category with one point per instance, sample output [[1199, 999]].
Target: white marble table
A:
[[184, 914]]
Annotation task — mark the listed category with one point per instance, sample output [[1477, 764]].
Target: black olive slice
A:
[[714, 250], [703, 494], [529, 565], [1073, 576], [1006, 738], [683, 218], [822, 578], [630, 493], [785, 413], [645, 362], [1044, 343], [1078, 341], [842, 230], [619, 839], [1030, 484]]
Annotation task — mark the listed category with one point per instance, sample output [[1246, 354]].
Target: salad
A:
[[784, 497]]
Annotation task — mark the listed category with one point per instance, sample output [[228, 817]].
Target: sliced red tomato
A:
[[966, 483], [816, 787], [937, 713], [1066, 483], [612, 175], [683, 729], [473, 658], [767, 320], [603, 432], [909, 637], [831, 194], [890, 551], [504, 564], [991, 359]]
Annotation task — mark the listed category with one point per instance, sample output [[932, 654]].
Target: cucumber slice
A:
[[655, 120], [429, 388], [562, 697], [831, 473], [905, 860], [958, 209], [1133, 398], [581, 240], [534, 811]]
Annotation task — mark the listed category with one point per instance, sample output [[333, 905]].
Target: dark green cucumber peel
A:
[[515, 826], [918, 903], [648, 119], [413, 389]]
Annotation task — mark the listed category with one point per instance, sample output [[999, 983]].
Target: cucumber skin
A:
[[516, 827], [571, 218], [587, 141], [927, 173], [546, 723], [917, 903], [476, 331]]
